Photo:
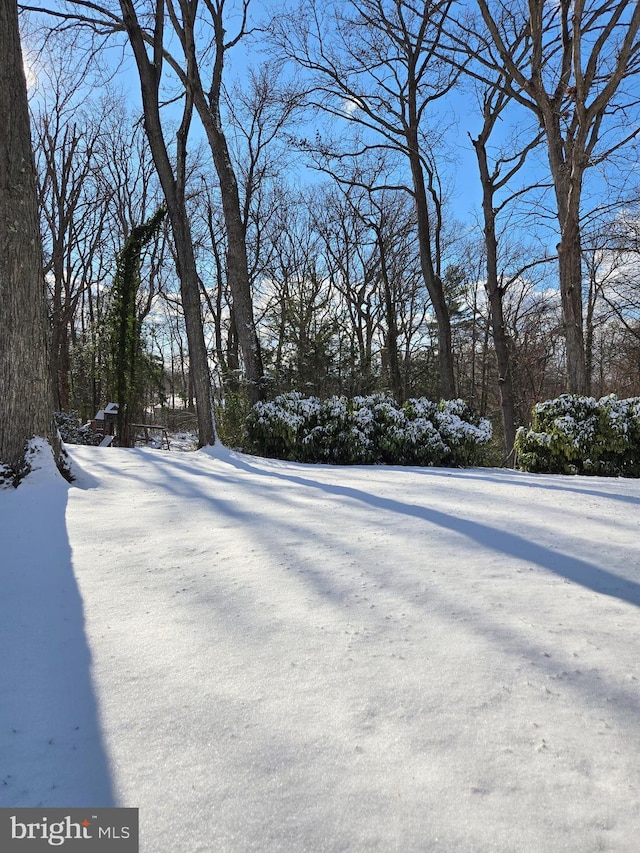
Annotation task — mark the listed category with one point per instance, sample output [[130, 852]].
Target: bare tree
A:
[[300, 304], [68, 130], [611, 256], [25, 384], [534, 323], [113, 186], [375, 64], [188, 19], [495, 177], [350, 251], [173, 185], [145, 34], [256, 113], [373, 227], [576, 76]]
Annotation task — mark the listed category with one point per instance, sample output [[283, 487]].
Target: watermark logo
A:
[[69, 830]]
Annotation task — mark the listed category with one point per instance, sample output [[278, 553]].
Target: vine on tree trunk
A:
[[125, 325]]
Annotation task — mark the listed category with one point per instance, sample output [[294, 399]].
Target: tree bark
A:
[[570, 272], [567, 162], [26, 397]]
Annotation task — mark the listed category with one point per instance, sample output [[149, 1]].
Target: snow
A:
[[264, 656]]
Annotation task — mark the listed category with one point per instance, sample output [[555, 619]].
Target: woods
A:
[[435, 201]]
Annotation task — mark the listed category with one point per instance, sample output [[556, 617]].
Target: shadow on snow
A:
[[50, 741], [573, 569]]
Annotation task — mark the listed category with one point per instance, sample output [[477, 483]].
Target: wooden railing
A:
[[147, 428]]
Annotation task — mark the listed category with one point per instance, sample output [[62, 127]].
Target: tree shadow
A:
[[274, 751], [51, 750], [572, 568], [527, 480]]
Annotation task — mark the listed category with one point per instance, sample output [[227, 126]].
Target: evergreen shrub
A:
[[366, 430], [582, 435], [73, 432], [231, 415]]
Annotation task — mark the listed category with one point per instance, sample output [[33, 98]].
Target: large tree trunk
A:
[[237, 265], [208, 108], [570, 274], [190, 296], [567, 171], [26, 398]]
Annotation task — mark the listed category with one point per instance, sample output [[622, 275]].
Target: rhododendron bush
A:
[[371, 429], [582, 435]]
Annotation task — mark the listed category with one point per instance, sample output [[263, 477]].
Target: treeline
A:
[[356, 278]]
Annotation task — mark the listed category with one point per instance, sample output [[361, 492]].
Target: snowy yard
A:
[[266, 657]]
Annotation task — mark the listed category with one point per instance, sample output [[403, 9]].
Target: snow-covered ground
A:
[[264, 656]]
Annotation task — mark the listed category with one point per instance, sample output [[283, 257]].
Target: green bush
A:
[[366, 430], [231, 415], [582, 435], [72, 431]]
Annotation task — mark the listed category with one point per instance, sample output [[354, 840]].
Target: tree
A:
[[494, 178], [299, 324], [73, 207], [573, 78], [125, 322], [96, 182], [146, 38], [187, 19], [611, 255], [375, 64], [255, 116], [350, 250], [173, 187], [376, 229], [26, 395]]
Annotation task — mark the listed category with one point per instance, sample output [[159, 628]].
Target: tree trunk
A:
[[505, 379], [569, 71], [208, 108], [567, 171], [238, 269], [185, 258], [237, 265], [590, 328], [494, 293], [190, 297], [570, 273], [431, 279], [391, 337], [26, 395]]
